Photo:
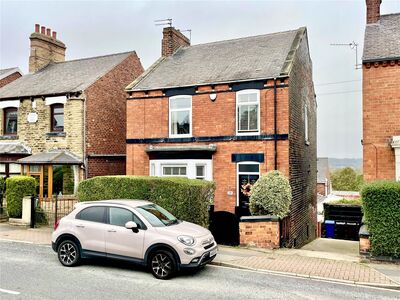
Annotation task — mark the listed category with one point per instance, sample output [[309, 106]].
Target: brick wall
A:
[[302, 156], [9, 78], [381, 109], [172, 40], [149, 119], [98, 166], [106, 114], [263, 234]]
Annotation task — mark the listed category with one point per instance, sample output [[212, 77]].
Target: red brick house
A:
[[229, 111], [381, 95], [9, 75], [66, 113]]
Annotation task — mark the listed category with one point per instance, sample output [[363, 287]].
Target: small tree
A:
[[346, 179], [271, 194]]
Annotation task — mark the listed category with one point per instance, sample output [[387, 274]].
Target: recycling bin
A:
[[330, 229]]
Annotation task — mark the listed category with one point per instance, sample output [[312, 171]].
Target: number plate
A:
[[213, 252]]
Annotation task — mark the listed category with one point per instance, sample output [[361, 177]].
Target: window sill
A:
[[247, 133], [56, 134], [9, 137]]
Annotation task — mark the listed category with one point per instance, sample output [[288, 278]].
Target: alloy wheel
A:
[[68, 253], [162, 265]]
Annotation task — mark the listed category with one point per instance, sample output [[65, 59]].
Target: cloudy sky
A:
[[91, 28]]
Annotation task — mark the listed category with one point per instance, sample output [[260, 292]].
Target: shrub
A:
[[346, 179], [347, 202], [271, 194], [381, 204], [187, 199], [17, 187]]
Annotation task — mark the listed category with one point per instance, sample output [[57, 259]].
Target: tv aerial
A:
[[354, 46]]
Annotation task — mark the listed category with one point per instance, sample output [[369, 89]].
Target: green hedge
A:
[[17, 187], [381, 204], [187, 199]]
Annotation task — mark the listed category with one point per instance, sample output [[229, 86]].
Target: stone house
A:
[[381, 95], [9, 75], [230, 111], [65, 113]]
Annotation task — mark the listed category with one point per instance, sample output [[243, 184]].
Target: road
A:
[[30, 271]]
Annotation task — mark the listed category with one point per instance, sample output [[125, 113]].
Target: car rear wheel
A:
[[68, 253], [162, 264]]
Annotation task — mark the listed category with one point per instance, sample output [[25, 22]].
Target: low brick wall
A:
[[260, 231], [365, 243]]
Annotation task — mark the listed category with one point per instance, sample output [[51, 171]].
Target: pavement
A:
[[317, 260]]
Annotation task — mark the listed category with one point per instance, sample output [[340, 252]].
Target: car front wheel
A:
[[162, 264], [68, 253]]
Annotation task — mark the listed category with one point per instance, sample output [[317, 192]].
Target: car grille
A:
[[209, 246]]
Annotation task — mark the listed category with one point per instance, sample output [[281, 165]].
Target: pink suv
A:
[[133, 230]]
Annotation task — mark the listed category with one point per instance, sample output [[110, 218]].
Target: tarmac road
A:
[[29, 271]]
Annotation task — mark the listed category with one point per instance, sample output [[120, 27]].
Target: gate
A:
[[284, 232], [50, 210]]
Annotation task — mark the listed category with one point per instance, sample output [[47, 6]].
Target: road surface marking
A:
[[9, 292]]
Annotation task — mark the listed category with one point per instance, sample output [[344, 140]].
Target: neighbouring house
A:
[[324, 186], [9, 75], [230, 111], [381, 95], [65, 120]]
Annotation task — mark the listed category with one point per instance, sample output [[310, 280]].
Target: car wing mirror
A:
[[132, 225]]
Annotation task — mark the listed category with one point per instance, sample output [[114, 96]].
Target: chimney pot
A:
[[48, 31], [54, 34], [37, 28], [43, 30]]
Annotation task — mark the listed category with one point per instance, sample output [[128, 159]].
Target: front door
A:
[[121, 241], [248, 174]]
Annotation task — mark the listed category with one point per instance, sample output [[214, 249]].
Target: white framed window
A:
[[306, 123], [248, 172], [190, 168], [200, 171], [174, 170], [248, 112], [180, 116]]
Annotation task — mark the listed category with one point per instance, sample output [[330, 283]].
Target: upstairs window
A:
[[10, 121], [248, 112], [306, 124], [57, 117], [180, 116]]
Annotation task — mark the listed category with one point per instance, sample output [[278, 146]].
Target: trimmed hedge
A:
[[17, 187], [381, 204], [187, 199]]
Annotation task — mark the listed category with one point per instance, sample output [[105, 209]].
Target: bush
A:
[[17, 187], [346, 179], [381, 204], [187, 199], [347, 202], [271, 194]]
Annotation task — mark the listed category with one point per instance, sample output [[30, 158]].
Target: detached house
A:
[[65, 119], [381, 95], [229, 111]]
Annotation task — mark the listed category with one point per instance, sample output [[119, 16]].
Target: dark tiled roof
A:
[[382, 39], [56, 157], [323, 169], [64, 77], [14, 148], [244, 59]]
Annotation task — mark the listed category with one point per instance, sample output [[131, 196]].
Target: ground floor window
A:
[[10, 169], [190, 168], [247, 174]]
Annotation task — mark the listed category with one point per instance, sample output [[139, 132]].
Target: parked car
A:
[[133, 230]]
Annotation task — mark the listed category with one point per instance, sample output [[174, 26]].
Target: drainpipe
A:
[[275, 130]]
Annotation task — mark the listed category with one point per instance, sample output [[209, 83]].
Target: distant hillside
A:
[[339, 163]]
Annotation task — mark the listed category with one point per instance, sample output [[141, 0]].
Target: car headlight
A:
[[186, 240]]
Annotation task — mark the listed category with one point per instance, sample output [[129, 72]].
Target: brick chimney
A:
[[45, 48], [373, 11], [172, 40]]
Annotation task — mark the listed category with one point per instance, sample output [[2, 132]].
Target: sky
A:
[[92, 28]]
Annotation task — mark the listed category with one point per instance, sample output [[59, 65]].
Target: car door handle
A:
[[80, 226], [112, 230]]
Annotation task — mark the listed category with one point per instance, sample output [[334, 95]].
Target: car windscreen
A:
[[156, 215]]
